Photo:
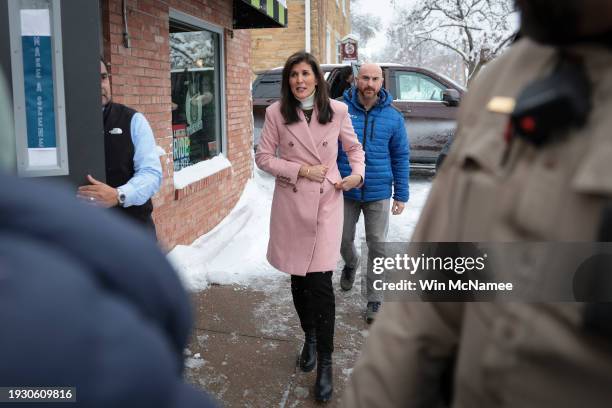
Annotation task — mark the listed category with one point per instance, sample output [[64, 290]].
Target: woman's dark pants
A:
[[313, 297]]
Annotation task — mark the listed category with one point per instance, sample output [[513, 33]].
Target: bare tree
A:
[[475, 30], [365, 25]]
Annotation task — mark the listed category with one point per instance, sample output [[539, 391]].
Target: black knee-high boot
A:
[[313, 296], [308, 357], [301, 299], [324, 306], [324, 385]]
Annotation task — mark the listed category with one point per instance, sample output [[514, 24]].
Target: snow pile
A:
[[199, 171], [234, 252]]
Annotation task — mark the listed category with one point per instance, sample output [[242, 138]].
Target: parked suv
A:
[[428, 101]]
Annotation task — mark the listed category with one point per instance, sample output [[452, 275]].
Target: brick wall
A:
[[317, 17], [141, 79], [272, 46], [339, 22]]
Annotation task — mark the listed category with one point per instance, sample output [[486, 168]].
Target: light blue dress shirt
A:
[[147, 167]]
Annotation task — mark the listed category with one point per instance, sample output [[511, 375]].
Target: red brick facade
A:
[[272, 46], [141, 79]]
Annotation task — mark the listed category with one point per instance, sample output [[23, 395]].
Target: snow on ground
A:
[[234, 252]]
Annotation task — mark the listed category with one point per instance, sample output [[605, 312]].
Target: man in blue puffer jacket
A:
[[380, 129]]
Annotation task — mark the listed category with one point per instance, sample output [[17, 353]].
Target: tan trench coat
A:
[[507, 354]]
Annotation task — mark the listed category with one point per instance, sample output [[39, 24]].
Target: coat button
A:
[[295, 189], [325, 143], [321, 190], [291, 144]]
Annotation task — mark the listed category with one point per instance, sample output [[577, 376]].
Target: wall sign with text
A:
[[38, 91], [38, 87]]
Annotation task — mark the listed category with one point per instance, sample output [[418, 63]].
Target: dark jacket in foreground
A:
[[90, 302]]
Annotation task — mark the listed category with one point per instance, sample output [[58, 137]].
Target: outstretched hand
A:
[[98, 193]]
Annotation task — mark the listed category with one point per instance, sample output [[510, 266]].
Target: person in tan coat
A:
[[304, 128], [497, 187]]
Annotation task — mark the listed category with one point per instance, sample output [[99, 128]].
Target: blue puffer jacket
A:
[[386, 147]]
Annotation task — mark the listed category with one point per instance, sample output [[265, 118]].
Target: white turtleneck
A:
[[308, 102]]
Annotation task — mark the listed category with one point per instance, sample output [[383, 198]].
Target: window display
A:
[[195, 81]]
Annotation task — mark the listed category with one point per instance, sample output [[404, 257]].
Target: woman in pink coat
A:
[[307, 208]]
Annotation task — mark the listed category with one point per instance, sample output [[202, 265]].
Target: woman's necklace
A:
[[307, 114]]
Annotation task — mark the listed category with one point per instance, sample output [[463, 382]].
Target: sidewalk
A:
[[246, 343]]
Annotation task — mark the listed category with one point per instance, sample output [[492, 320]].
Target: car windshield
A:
[[268, 87]]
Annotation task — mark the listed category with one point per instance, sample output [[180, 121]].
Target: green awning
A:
[[259, 14]]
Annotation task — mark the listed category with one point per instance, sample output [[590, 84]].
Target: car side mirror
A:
[[451, 97]]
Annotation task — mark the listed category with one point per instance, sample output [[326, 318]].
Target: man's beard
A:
[[370, 90], [553, 22]]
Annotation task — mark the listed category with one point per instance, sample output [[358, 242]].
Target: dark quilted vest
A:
[[119, 152]]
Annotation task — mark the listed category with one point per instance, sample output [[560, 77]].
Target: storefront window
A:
[[196, 97]]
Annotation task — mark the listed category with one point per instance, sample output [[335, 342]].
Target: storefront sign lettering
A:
[[38, 87]]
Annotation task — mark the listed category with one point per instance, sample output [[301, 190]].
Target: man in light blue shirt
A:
[[133, 169]]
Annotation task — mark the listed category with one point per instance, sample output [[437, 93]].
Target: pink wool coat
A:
[[307, 216]]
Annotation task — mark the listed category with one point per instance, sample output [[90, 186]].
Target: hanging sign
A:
[[348, 49]]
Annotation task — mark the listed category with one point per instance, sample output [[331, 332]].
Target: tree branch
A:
[[462, 54], [427, 32], [503, 44]]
